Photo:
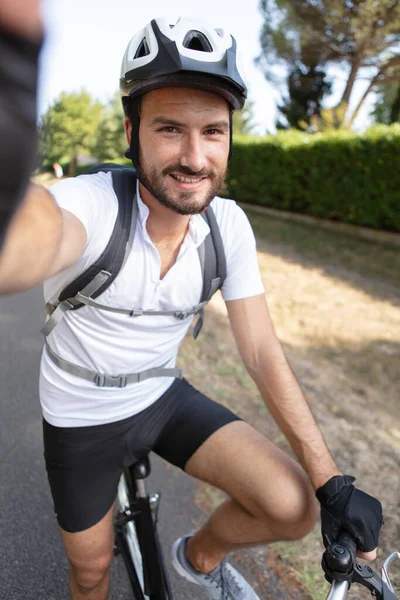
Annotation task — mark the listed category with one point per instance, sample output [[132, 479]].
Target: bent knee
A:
[[89, 575], [299, 511], [291, 511]]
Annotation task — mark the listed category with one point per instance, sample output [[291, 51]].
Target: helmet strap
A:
[[230, 135], [134, 116]]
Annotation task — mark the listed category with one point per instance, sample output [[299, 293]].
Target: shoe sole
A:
[[177, 565]]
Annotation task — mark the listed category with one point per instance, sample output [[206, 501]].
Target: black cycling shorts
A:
[[84, 464]]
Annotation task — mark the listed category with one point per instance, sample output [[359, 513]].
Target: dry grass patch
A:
[[335, 305]]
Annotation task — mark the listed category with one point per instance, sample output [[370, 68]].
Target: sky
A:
[[86, 40]]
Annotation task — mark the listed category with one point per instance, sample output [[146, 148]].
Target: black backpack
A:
[[99, 276]]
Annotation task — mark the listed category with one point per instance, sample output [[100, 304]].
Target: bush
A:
[[341, 175]]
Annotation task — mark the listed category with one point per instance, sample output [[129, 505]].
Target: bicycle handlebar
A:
[[341, 570]]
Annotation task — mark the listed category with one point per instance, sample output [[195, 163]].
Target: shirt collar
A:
[[198, 228]]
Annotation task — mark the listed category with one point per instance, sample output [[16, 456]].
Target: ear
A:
[[128, 129]]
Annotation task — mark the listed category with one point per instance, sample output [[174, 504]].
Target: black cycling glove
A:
[[343, 507], [18, 83]]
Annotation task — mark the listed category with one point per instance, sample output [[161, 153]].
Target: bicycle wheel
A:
[[128, 542]]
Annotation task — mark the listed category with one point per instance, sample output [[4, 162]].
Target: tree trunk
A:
[[362, 100], [395, 110], [350, 83], [341, 109], [72, 166]]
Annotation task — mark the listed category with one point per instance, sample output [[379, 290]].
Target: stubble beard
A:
[[185, 202]]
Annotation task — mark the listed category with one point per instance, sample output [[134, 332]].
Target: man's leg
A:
[[89, 553], [271, 497]]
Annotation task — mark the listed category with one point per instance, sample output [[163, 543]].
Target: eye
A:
[[214, 132], [168, 129]]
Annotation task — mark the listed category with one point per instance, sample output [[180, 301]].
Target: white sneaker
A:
[[224, 583]]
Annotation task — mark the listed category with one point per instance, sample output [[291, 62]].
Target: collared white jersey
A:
[[113, 343]]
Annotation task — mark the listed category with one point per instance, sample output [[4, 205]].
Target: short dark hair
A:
[[132, 107]]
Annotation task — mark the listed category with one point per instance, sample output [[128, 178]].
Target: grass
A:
[[330, 248], [299, 556]]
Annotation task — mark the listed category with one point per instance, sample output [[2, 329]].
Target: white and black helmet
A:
[[187, 54]]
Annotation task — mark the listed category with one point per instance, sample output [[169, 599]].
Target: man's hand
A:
[[343, 507], [20, 42]]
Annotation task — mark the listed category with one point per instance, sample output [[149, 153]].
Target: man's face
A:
[[184, 147]]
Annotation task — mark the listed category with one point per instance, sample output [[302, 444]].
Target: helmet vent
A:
[[143, 49], [195, 40]]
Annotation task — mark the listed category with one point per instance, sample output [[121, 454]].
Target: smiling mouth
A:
[[186, 179]]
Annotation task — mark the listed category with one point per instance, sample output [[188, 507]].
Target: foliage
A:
[[361, 35], [307, 87], [338, 175], [110, 141], [243, 120], [387, 106], [69, 127]]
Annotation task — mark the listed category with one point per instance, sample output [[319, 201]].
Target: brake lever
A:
[[339, 564]]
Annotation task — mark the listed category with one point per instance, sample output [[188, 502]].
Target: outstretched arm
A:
[[20, 42], [41, 241]]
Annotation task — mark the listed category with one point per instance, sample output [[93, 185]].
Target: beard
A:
[[183, 202]]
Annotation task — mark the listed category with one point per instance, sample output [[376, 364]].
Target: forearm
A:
[[33, 240], [286, 403]]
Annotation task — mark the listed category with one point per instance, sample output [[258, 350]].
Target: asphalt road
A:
[[32, 561]]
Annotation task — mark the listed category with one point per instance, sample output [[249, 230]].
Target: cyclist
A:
[[35, 223], [180, 85]]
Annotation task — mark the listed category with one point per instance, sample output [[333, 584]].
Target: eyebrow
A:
[[166, 121]]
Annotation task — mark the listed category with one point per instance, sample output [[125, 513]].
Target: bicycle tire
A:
[[130, 535]]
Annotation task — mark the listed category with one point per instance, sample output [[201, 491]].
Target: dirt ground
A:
[[340, 329]]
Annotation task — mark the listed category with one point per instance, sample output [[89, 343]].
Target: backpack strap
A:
[[99, 276], [213, 262], [103, 380]]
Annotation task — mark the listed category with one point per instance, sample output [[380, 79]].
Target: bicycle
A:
[[136, 539], [341, 570]]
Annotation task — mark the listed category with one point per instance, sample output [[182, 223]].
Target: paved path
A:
[[32, 562]]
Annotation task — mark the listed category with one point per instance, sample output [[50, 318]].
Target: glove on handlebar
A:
[[343, 507]]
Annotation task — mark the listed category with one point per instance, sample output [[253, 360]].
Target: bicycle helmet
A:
[[187, 54]]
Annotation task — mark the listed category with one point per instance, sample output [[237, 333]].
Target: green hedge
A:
[[342, 176]]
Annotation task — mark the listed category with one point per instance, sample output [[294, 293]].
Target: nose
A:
[[193, 153]]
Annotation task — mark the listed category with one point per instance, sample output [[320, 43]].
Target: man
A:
[[180, 85]]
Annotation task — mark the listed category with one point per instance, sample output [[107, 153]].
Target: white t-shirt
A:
[[113, 343]]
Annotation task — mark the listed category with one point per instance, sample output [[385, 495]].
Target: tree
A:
[[68, 128], [307, 87], [110, 141], [243, 120], [387, 106], [363, 36]]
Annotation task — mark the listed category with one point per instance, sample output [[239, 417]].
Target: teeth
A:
[[187, 179]]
